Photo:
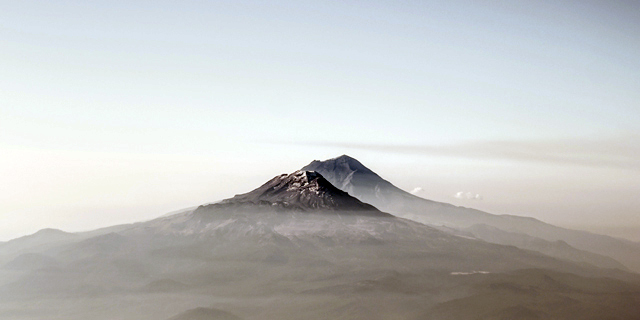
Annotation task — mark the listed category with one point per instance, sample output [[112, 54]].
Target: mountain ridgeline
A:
[[303, 191], [298, 247], [359, 181], [350, 175]]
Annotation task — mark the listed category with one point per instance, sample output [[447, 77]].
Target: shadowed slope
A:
[[352, 176], [303, 191]]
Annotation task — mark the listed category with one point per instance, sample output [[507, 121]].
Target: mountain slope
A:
[[352, 176], [42, 238], [301, 190], [294, 248], [558, 249]]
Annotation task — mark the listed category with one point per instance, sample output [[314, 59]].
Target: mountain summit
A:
[[350, 175], [302, 190], [344, 171]]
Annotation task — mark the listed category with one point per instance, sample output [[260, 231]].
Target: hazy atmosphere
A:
[[117, 111], [241, 160]]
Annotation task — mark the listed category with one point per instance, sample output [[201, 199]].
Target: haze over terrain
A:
[[319, 160], [116, 112], [300, 247]]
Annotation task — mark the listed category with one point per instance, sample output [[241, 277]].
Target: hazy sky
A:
[[118, 111]]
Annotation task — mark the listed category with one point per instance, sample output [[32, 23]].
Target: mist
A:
[[319, 160]]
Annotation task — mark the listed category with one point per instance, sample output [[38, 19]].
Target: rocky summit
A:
[[303, 191]]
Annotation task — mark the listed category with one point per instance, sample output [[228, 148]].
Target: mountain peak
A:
[[304, 190], [342, 163], [350, 175], [346, 172]]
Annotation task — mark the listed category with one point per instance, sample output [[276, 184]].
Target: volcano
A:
[[297, 247], [352, 176], [303, 191]]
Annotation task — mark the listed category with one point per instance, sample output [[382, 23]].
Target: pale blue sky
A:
[[116, 111]]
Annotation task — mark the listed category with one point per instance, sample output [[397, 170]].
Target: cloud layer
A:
[[617, 152]]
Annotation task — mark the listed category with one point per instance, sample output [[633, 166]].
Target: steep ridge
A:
[[352, 176], [303, 191]]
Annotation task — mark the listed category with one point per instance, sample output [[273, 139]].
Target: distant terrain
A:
[[350, 175], [330, 241]]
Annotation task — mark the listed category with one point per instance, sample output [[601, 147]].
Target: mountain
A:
[[353, 177], [350, 175], [297, 247], [558, 249], [304, 191], [39, 242]]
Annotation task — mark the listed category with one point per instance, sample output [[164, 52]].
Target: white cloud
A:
[[417, 190], [468, 195]]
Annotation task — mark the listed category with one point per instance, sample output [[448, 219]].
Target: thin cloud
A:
[[620, 152]]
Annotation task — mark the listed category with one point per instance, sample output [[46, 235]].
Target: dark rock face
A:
[[350, 175], [345, 171], [303, 191]]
